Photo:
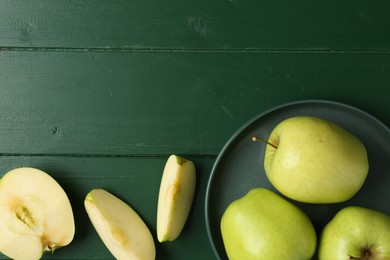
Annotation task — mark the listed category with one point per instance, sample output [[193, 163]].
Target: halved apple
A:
[[35, 214], [121, 229], [175, 198]]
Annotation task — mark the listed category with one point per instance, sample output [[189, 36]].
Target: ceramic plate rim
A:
[[246, 125]]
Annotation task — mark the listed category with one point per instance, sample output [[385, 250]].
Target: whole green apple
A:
[[356, 233], [313, 160], [263, 225]]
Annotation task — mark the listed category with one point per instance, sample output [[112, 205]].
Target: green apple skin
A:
[[316, 161], [356, 233], [263, 225]]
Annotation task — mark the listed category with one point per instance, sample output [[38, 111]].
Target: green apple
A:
[[356, 233], [35, 214], [175, 198], [121, 229], [263, 225], [313, 160]]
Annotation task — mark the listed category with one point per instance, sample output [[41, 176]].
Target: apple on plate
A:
[[356, 233], [121, 229], [175, 198], [313, 160], [35, 214], [263, 225]]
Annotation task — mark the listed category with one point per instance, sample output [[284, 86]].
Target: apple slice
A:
[[35, 214], [175, 198], [121, 229]]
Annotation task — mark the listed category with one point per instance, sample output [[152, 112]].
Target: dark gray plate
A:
[[239, 166]]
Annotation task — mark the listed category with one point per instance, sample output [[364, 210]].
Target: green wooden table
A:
[[100, 93]]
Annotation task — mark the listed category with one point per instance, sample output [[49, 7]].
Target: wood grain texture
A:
[[121, 103], [100, 93], [229, 24]]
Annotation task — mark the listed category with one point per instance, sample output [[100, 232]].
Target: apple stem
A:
[[254, 139]]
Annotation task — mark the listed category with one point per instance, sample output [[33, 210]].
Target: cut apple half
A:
[[120, 228], [35, 214], [175, 198]]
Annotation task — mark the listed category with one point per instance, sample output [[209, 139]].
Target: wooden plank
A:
[[136, 181], [120, 103], [231, 24]]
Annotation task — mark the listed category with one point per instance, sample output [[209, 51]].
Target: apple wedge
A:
[[121, 229], [175, 198], [35, 214]]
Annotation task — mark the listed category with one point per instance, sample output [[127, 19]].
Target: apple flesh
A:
[[35, 214], [314, 160], [175, 198], [121, 229], [263, 225], [356, 233]]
